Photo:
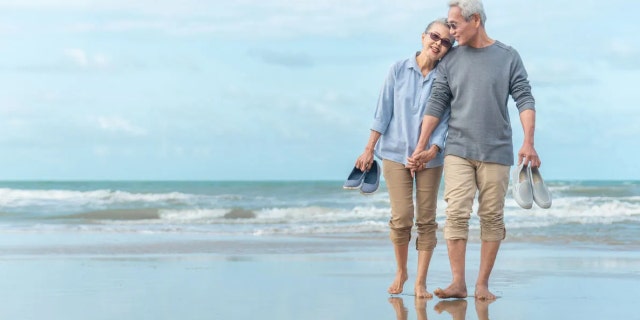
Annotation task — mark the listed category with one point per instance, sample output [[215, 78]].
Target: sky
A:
[[282, 89]]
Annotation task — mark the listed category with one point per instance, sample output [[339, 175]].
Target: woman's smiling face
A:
[[437, 41]]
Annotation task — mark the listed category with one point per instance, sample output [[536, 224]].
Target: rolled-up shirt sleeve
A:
[[384, 109]]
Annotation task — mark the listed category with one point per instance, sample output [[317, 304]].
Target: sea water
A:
[[34, 213]]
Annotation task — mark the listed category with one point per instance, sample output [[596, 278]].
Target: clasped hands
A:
[[418, 159]]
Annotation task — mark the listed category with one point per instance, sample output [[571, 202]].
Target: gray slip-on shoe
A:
[[541, 193], [354, 181], [521, 186], [371, 179]]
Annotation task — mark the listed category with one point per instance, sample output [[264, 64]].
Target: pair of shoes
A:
[[368, 182], [529, 187]]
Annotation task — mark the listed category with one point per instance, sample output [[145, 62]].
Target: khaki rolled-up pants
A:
[[400, 186], [462, 179]]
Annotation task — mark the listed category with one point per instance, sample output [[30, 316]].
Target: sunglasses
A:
[[445, 42]]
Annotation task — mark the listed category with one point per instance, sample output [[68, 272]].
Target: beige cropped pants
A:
[[400, 185], [462, 179]]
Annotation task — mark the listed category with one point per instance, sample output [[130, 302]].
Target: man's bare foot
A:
[[456, 308], [398, 306], [483, 293], [454, 290], [398, 283], [421, 292]]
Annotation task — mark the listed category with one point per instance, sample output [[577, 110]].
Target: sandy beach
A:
[[302, 278]]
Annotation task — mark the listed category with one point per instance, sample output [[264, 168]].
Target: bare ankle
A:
[[398, 283]]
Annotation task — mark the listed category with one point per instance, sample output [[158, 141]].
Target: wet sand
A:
[[304, 278]]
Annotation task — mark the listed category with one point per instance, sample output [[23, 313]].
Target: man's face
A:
[[461, 29]]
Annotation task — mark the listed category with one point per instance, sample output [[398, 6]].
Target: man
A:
[[475, 80]]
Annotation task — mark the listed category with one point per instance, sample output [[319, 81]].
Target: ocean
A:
[[37, 214], [296, 250]]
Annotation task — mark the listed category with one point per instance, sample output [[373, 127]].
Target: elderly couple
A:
[[458, 94]]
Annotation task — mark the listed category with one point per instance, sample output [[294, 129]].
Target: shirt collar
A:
[[413, 64]]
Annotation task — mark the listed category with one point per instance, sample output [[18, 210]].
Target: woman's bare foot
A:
[[398, 283], [421, 292], [454, 290], [483, 293]]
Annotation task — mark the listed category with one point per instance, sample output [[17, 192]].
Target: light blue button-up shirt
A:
[[398, 117]]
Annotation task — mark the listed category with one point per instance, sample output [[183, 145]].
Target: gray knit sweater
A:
[[476, 83]]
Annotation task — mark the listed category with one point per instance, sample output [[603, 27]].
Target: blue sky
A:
[[280, 89]]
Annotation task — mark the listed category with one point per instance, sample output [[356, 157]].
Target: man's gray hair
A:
[[469, 8]]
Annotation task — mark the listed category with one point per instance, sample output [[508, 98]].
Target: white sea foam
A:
[[360, 227], [191, 215], [24, 198], [275, 215]]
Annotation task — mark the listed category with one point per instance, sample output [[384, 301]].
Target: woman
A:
[[393, 138]]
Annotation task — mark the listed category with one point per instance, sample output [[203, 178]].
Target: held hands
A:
[[529, 156], [418, 159]]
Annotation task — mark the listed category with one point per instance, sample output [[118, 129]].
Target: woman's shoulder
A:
[[404, 63]]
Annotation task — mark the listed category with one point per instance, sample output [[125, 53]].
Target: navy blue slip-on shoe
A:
[[371, 179], [354, 181]]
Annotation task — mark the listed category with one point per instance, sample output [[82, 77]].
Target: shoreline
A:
[[248, 278], [61, 244]]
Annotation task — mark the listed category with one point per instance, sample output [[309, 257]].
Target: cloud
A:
[[559, 71], [85, 60], [101, 151], [623, 54], [237, 19], [72, 60], [285, 59], [6, 28], [119, 125]]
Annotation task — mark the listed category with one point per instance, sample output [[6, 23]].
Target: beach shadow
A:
[[458, 308], [482, 308], [399, 308], [402, 312], [421, 308]]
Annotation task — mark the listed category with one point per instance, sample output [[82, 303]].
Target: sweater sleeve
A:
[[384, 109], [440, 97], [439, 134], [519, 87]]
